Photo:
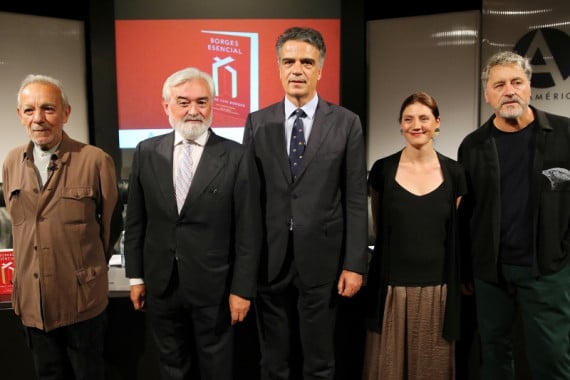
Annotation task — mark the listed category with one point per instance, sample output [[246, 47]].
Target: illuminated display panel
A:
[[240, 54]]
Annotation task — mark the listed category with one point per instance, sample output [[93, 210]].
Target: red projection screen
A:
[[239, 53]]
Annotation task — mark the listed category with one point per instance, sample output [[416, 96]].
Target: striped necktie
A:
[[184, 175]]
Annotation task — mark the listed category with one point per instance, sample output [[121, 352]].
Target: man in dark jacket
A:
[[515, 224], [193, 239], [314, 203]]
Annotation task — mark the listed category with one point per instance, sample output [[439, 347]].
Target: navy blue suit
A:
[[327, 205]]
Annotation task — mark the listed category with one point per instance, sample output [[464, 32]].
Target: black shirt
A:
[[515, 159]]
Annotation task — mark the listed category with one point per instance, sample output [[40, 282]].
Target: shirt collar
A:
[[44, 153], [200, 140], [309, 107]]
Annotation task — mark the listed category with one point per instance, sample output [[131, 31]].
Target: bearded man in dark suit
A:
[[192, 254]]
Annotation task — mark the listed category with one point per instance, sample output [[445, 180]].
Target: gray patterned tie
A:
[[297, 145], [184, 175]]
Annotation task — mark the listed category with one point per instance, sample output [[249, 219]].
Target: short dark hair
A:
[[308, 35], [422, 98]]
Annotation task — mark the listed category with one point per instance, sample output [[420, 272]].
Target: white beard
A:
[[190, 131]]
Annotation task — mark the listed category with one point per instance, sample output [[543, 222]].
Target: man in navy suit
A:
[[193, 266], [315, 220]]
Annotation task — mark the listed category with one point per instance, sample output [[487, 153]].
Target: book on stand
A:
[[6, 270]]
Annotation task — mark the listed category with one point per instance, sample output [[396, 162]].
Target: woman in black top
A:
[[413, 288]]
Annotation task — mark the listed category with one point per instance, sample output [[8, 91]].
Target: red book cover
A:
[[232, 58], [6, 270]]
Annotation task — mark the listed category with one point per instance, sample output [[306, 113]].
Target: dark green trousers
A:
[[543, 306]]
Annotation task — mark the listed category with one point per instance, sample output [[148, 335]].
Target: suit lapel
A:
[[276, 140], [163, 170], [321, 128], [210, 164]]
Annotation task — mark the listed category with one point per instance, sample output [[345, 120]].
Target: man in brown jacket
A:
[[62, 197]]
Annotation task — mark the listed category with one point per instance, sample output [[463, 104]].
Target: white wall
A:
[[438, 54], [40, 45]]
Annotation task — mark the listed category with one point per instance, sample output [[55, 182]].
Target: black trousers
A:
[[290, 314], [71, 352], [191, 339]]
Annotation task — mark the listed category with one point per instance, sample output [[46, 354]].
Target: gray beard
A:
[[511, 114], [190, 131]]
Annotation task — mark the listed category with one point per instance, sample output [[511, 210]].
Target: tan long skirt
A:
[[410, 346]]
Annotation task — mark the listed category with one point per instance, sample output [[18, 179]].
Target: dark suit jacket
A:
[[215, 240], [327, 202]]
